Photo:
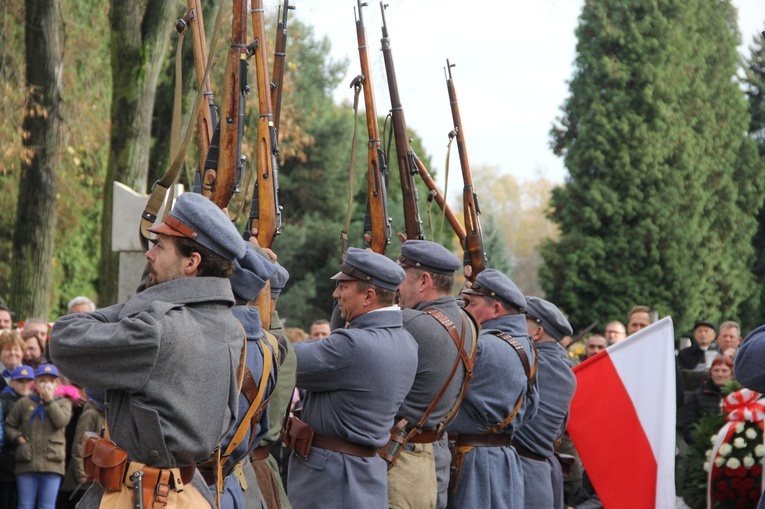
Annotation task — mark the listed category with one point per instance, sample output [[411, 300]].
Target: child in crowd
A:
[[36, 426]]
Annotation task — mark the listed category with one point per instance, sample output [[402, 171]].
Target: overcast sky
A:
[[513, 60]]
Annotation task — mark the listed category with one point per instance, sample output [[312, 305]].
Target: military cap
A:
[[46, 369], [428, 256], [197, 218], [23, 372], [705, 323], [548, 315], [279, 280], [371, 268], [492, 283], [250, 274]]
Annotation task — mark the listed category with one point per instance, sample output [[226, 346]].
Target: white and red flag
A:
[[623, 420]]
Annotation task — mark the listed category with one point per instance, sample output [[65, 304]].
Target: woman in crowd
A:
[[707, 399], [36, 425]]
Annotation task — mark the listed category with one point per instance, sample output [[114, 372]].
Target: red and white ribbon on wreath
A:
[[740, 406]]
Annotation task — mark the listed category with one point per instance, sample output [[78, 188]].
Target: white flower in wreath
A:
[[713, 438], [733, 463], [725, 449], [748, 461], [707, 466], [709, 454], [739, 427], [719, 461], [759, 450], [739, 443], [751, 434]]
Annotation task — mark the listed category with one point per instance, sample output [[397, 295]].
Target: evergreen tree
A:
[[754, 80], [653, 212]]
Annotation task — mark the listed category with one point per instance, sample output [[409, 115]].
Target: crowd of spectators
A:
[[44, 418]]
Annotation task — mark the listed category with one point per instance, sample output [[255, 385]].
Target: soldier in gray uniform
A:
[[156, 354], [240, 488], [430, 311], [502, 396], [267, 469], [356, 379], [535, 440]]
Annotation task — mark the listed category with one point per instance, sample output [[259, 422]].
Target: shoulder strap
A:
[[473, 328], [257, 402], [462, 356], [531, 376]]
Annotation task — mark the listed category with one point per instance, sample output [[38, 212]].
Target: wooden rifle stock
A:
[[280, 62], [223, 164], [376, 220], [474, 250], [406, 159], [208, 114], [438, 196], [265, 212]]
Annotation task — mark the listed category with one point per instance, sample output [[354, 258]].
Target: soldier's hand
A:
[[401, 237], [262, 250]]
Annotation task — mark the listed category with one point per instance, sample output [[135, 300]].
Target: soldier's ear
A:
[[192, 263]]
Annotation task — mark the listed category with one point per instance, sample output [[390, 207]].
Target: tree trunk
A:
[[36, 210], [140, 32]]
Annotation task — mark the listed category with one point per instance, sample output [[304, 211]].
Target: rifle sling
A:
[[531, 373], [352, 177], [159, 190]]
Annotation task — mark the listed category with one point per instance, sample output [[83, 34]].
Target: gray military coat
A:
[[168, 359], [493, 476], [542, 480], [356, 380], [436, 354]]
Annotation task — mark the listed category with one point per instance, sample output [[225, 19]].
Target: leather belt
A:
[[492, 440], [339, 445], [426, 437], [260, 453], [527, 453]]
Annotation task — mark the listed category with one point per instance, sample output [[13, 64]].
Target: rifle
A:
[[280, 61], [208, 113], [224, 162], [407, 165], [474, 252], [265, 212], [376, 220], [436, 194]]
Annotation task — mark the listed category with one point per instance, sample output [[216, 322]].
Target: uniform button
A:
[[154, 454]]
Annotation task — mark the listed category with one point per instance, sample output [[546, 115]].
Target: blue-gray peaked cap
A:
[[371, 268], [548, 315], [197, 218], [279, 280], [492, 283], [428, 256], [250, 274]]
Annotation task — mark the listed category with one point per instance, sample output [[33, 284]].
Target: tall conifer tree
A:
[[652, 212]]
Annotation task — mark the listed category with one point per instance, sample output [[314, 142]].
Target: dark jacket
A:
[[690, 357], [8, 398], [706, 400]]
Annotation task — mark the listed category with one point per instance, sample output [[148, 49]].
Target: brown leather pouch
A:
[[298, 436], [89, 439], [109, 463]]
